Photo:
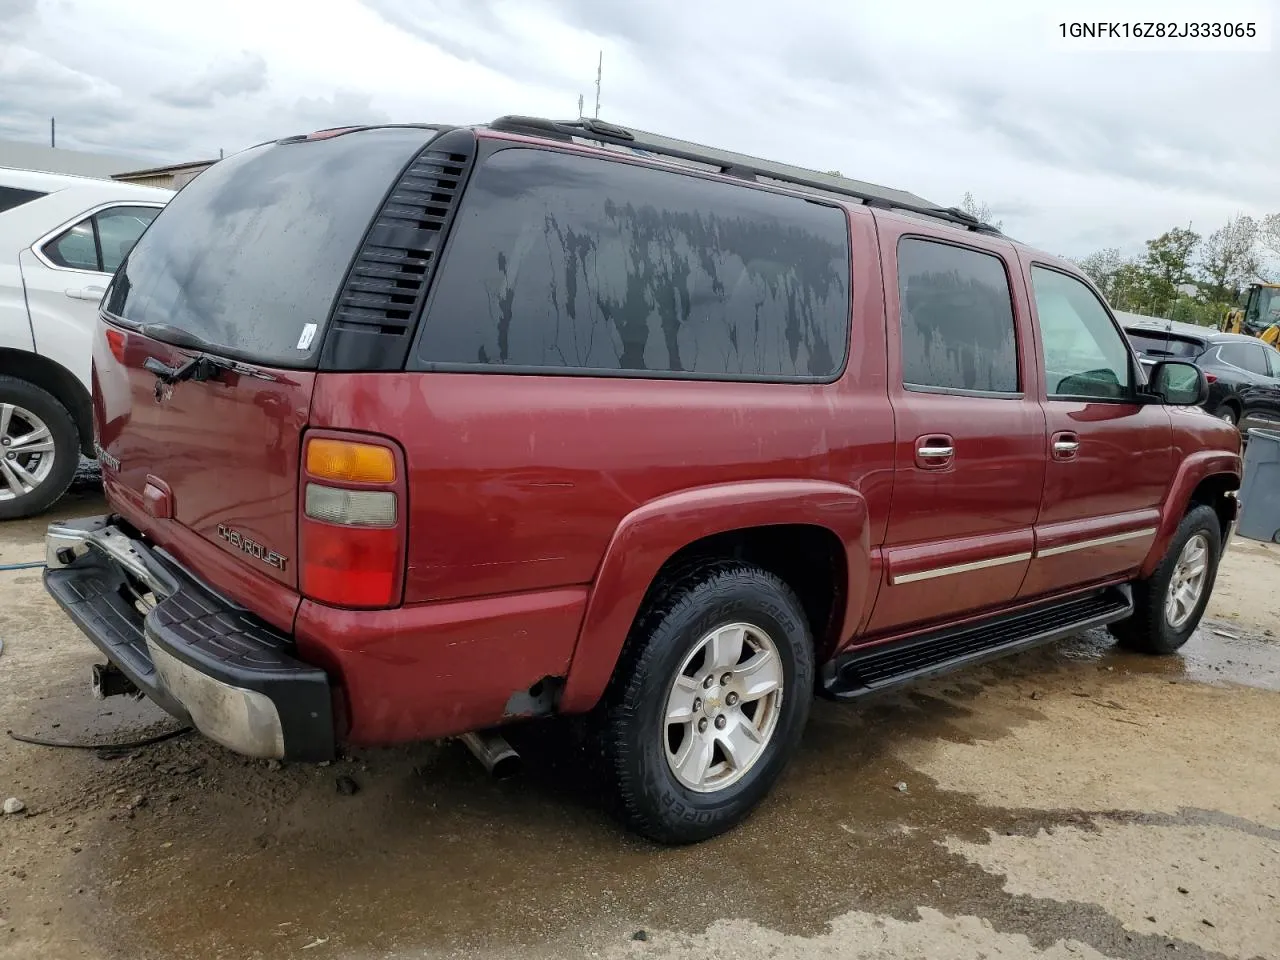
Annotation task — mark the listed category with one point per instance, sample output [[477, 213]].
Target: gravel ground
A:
[[1075, 801]]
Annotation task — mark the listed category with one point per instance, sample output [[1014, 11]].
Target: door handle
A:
[[938, 452], [87, 293], [934, 451], [1065, 446]]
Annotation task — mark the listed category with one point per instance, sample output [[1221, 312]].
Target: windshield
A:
[[250, 254], [1160, 345], [1264, 310]]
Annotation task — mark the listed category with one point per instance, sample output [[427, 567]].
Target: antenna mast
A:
[[599, 74]]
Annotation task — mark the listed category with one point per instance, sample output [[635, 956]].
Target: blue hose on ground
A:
[[22, 566]]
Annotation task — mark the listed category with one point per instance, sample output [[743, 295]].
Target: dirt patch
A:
[[1215, 886]]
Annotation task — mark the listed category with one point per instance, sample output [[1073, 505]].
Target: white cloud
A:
[[1073, 150]]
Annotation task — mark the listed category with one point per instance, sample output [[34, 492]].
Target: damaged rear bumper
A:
[[196, 654]]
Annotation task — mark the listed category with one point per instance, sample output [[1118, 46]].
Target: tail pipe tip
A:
[[494, 753]]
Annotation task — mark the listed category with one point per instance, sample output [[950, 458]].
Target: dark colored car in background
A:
[[1243, 372]]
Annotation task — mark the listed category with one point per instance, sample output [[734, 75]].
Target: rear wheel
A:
[[708, 703], [39, 449], [1169, 604], [1228, 413]]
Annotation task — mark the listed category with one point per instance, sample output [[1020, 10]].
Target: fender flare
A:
[[1194, 470], [651, 534]]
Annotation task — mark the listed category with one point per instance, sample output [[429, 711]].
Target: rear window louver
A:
[[381, 299]]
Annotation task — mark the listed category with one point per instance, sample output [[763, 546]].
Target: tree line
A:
[[1182, 275]]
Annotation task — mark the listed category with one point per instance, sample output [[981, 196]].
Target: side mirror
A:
[[1178, 383]]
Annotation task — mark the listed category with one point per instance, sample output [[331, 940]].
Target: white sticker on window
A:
[[308, 334]]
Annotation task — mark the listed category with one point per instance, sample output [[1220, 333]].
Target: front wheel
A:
[[708, 703], [1168, 605]]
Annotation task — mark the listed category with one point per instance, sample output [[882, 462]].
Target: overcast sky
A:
[[1073, 150]]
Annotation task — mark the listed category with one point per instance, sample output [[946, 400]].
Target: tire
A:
[[1155, 628], [27, 410], [1228, 413], [673, 636]]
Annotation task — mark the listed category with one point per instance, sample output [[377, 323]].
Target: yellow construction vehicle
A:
[[1259, 317]]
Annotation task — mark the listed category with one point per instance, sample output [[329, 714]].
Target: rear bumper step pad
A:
[[197, 655]]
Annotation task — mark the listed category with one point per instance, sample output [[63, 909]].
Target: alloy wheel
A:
[[723, 707], [1188, 581], [26, 451]]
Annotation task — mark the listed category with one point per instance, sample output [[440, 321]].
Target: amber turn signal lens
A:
[[343, 460]]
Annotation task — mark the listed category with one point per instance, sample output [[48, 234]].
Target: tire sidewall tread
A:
[[649, 798], [1147, 631]]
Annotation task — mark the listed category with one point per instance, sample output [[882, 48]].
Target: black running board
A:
[[877, 668]]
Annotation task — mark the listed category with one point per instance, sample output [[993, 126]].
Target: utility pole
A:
[[599, 74], [580, 113], [53, 132]]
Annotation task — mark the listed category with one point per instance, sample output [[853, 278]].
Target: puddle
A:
[[432, 856], [1216, 653]]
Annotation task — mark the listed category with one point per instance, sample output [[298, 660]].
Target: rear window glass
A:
[[250, 254], [957, 319], [560, 263], [1158, 345], [1246, 356]]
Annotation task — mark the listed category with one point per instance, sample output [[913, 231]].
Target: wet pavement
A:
[[1071, 801]]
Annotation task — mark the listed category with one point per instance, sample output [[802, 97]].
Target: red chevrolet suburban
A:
[[409, 432]]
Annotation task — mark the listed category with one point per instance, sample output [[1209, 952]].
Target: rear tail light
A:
[[355, 508], [1211, 377], [353, 528], [350, 462]]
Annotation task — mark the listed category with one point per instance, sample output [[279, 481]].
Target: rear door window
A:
[[250, 254], [1246, 356], [1273, 360], [1085, 355], [118, 230], [100, 242], [957, 319], [562, 263]]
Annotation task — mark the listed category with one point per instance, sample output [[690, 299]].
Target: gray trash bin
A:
[[1260, 492]]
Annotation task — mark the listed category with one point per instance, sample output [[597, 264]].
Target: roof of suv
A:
[[641, 145], [590, 132]]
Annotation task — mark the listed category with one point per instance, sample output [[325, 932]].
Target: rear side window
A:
[[1246, 356], [957, 319], [250, 254], [74, 248], [11, 197], [100, 242], [567, 263]]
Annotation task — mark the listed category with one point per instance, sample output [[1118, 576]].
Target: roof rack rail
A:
[[740, 165]]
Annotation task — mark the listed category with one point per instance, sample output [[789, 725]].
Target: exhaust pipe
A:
[[493, 751]]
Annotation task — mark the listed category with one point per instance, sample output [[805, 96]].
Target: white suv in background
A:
[[61, 239]]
